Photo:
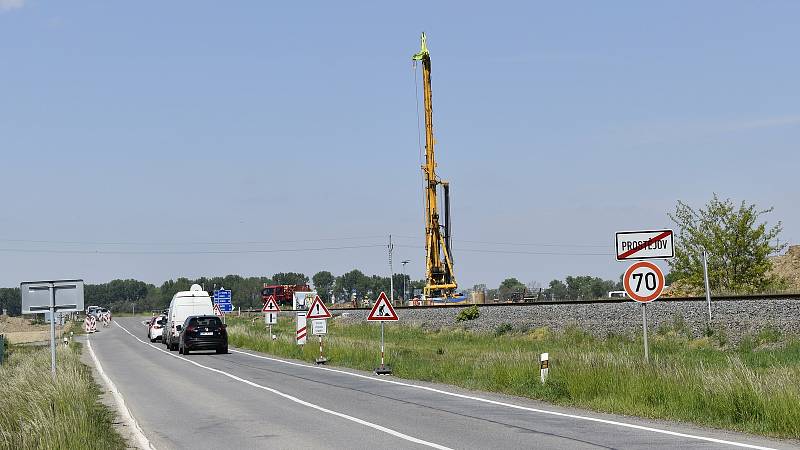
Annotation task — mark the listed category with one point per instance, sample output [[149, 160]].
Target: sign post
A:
[[271, 311], [382, 311], [51, 296], [318, 313], [708, 287], [644, 283], [223, 300]]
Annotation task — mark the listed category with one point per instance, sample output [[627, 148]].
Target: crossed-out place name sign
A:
[[655, 244]]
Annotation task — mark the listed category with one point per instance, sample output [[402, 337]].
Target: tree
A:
[[290, 278], [557, 290], [738, 243], [511, 288], [323, 283]]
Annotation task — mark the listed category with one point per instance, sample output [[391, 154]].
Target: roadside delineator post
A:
[[382, 311], [544, 366]]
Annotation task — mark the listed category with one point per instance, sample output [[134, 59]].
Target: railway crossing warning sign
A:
[[655, 244], [271, 305], [643, 281], [318, 310], [382, 310]]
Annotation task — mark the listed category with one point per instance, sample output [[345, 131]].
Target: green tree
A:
[[557, 290], [290, 278], [511, 289], [323, 283], [738, 242]]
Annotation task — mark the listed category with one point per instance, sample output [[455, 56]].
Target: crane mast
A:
[[440, 280]]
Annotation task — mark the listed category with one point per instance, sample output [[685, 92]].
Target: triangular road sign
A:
[[318, 310], [382, 310], [271, 305], [218, 311]]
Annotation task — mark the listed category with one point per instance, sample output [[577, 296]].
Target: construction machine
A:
[[440, 280]]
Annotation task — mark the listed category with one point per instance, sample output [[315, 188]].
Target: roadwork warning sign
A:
[[382, 310], [655, 244]]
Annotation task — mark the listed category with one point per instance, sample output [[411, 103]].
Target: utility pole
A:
[[391, 272], [404, 262]]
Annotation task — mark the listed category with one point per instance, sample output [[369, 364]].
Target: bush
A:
[[503, 328], [470, 313]]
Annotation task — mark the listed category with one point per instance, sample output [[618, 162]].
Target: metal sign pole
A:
[[382, 362], [644, 327], [53, 330], [708, 288]]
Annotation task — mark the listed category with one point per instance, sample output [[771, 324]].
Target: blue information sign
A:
[[224, 299]]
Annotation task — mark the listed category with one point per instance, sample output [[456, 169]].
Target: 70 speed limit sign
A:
[[643, 281]]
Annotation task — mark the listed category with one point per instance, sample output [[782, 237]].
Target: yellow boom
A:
[[440, 280]]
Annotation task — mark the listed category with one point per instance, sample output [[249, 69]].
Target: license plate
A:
[[207, 333]]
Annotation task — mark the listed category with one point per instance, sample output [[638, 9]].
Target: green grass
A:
[[754, 387], [36, 413]]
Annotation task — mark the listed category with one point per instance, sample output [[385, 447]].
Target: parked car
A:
[[203, 333], [194, 302], [92, 311], [155, 329]]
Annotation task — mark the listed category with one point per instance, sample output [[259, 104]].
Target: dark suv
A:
[[203, 333]]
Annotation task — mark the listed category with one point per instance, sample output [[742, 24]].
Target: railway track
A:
[[725, 298]]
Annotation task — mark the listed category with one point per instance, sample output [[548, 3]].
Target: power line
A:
[[36, 241], [525, 244], [517, 252], [178, 252]]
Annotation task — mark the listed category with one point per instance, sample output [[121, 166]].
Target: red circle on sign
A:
[[659, 281]]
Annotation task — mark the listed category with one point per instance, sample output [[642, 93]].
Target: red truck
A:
[[283, 293]]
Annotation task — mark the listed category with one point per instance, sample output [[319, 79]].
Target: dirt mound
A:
[[15, 324], [787, 266]]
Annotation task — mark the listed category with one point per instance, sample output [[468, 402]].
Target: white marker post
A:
[[544, 366]]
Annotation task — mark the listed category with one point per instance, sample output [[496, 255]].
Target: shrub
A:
[[470, 313], [502, 329]]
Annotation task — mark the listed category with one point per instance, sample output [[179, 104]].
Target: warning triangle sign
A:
[[271, 305], [218, 311], [318, 310], [382, 310]]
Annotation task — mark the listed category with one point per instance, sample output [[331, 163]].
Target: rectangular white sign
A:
[[653, 244], [67, 294], [319, 327], [271, 318]]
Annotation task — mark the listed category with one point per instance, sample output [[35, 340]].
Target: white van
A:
[[194, 302]]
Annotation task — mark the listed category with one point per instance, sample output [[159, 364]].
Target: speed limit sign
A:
[[643, 281]]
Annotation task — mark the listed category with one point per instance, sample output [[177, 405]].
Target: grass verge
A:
[[37, 413], [751, 388]]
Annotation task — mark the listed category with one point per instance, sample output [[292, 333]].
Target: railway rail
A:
[[722, 298]]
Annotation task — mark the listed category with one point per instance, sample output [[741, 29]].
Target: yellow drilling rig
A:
[[440, 280]]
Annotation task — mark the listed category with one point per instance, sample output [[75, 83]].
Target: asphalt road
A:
[[246, 400]]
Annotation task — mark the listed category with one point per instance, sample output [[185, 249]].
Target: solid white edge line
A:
[[295, 399], [511, 405], [141, 439]]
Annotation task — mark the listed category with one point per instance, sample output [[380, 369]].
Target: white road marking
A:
[[511, 405], [295, 399], [141, 439]]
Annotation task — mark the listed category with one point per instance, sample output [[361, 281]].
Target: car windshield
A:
[[205, 322]]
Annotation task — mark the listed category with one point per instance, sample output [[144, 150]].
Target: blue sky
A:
[[138, 137]]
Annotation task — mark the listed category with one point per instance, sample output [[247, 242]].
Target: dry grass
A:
[[37, 413]]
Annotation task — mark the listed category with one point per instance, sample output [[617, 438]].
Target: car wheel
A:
[[185, 350], [222, 350]]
